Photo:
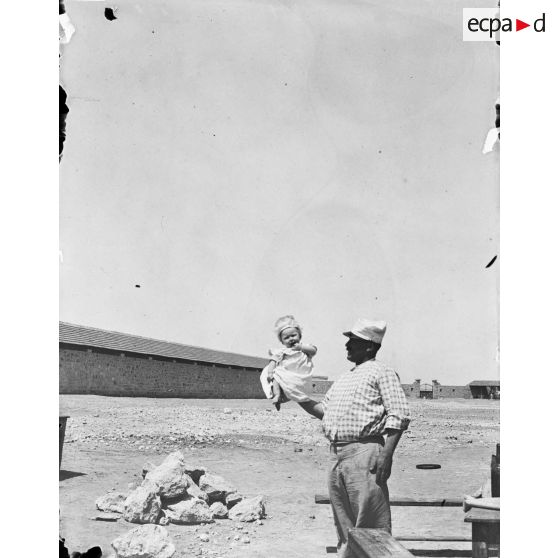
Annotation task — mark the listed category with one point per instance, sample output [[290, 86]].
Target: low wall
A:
[[321, 386], [412, 391]]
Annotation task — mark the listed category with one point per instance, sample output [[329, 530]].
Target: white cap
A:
[[285, 322], [368, 330]]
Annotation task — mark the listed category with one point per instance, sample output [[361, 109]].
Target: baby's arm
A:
[[275, 358], [308, 350], [270, 369]]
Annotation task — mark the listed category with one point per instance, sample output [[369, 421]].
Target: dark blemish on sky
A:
[[109, 14], [491, 262], [380, 151], [138, 286]]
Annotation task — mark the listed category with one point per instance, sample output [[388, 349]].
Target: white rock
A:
[[147, 541], [195, 491], [219, 510], [111, 502], [148, 466], [245, 540], [170, 477], [204, 537], [248, 510], [233, 499], [216, 487], [189, 512], [143, 505]]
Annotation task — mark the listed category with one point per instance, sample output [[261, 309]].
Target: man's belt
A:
[[368, 439]]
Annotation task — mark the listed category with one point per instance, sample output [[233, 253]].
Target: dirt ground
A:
[[282, 456]]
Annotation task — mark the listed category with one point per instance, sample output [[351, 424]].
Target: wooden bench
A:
[[375, 543], [485, 525], [403, 501]]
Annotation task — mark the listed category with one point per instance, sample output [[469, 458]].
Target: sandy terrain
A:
[[280, 455]]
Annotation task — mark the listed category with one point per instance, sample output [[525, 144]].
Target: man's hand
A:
[[383, 467]]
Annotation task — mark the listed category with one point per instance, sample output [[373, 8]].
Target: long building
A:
[[96, 361]]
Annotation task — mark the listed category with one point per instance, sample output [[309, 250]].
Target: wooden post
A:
[[495, 473], [61, 435]]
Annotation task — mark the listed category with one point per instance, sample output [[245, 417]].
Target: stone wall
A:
[[86, 371], [321, 386], [439, 391]]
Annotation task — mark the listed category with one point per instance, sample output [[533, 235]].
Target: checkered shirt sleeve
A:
[[365, 401]]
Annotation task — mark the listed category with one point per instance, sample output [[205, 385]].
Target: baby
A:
[[289, 373]]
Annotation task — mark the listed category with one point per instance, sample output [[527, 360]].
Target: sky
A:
[[242, 160]]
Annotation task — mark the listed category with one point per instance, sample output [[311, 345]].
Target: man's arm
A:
[[385, 458], [313, 407], [398, 417]]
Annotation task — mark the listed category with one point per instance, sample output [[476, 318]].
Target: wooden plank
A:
[[441, 552], [478, 515], [449, 552], [484, 503], [436, 552], [403, 501], [434, 538], [375, 543]]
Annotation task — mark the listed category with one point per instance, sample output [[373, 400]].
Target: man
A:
[[363, 416]]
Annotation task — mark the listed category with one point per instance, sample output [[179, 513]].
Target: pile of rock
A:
[[182, 493]]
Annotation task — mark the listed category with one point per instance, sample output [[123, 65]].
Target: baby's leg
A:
[[277, 394]]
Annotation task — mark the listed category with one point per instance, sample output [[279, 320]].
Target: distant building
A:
[[478, 389], [485, 389], [101, 362]]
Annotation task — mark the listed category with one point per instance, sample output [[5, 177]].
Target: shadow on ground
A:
[[64, 475]]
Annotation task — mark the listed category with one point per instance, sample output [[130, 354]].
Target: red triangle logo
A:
[[519, 25]]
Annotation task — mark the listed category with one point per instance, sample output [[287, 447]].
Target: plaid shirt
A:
[[365, 401]]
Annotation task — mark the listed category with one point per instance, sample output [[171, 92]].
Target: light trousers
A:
[[356, 499]]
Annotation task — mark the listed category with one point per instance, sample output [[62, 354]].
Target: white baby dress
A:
[[293, 372]]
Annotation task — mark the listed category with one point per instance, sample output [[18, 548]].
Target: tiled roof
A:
[[72, 334], [487, 383]]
